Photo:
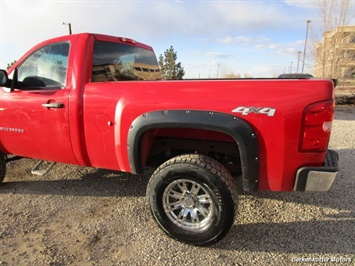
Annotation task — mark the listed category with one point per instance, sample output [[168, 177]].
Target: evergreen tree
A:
[[170, 69]]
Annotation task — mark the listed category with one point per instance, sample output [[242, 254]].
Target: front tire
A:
[[193, 199]]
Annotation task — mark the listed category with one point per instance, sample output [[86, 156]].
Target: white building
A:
[[336, 57]]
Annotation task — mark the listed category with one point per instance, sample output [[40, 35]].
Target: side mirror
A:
[[4, 79], [6, 82]]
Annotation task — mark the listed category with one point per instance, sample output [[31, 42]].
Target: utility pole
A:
[[305, 45], [291, 67], [298, 60], [69, 25]]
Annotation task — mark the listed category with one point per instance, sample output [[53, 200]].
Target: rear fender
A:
[[233, 126]]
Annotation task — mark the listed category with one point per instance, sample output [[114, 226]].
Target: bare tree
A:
[[226, 73], [10, 64], [332, 15]]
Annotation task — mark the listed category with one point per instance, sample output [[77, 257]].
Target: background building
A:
[[336, 57]]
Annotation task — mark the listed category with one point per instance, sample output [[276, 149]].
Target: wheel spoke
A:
[[204, 199], [176, 195], [195, 189], [203, 211], [183, 187], [183, 214], [175, 205], [194, 217]]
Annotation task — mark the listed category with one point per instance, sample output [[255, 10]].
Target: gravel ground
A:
[[84, 216]]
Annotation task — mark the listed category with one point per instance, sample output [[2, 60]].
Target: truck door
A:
[[34, 117]]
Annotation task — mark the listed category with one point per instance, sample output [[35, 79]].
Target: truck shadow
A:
[[96, 183], [309, 237]]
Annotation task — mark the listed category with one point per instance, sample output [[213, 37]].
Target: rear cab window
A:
[[122, 62]]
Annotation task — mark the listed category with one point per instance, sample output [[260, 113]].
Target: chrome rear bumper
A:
[[318, 178]]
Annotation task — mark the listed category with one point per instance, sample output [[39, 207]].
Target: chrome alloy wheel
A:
[[189, 205]]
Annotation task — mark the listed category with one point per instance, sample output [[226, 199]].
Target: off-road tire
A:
[[193, 198], [2, 167]]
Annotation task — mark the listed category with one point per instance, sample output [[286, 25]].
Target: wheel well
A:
[[150, 131], [159, 145]]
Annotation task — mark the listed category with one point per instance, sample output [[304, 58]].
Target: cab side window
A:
[[46, 68]]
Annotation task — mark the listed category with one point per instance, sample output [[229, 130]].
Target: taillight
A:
[[316, 126]]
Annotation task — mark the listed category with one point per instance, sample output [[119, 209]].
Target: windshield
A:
[[116, 61]]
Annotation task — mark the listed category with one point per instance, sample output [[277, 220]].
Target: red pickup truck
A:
[[97, 100]]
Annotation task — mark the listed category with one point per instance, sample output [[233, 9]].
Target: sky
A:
[[212, 38]]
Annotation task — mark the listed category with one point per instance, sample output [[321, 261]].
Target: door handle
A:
[[53, 105]]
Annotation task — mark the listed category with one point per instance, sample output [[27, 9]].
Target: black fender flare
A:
[[233, 126]]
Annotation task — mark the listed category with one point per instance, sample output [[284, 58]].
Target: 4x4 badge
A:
[[257, 110]]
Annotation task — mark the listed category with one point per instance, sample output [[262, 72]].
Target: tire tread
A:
[[206, 162]]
